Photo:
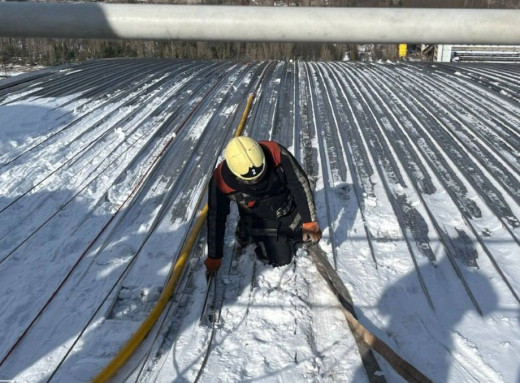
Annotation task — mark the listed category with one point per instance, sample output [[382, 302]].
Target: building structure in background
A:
[[477, 53]]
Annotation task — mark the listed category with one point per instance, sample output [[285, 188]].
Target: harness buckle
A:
[[286, 208]]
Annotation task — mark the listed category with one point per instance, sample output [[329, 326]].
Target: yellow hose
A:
[[124, 354], [243, 120]]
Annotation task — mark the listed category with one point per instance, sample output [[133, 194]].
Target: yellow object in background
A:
[[402, 50]]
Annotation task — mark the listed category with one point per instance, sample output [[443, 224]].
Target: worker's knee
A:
[[276, 251]]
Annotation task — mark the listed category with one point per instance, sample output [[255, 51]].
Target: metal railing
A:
[[254, 23]]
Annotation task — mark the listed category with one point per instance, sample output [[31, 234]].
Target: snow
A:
[[16, 70], [417, 184]]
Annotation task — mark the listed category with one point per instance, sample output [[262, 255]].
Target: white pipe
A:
[[254, 23]]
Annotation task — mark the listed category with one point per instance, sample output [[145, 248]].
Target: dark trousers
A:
[[277, 251], [276, 239]]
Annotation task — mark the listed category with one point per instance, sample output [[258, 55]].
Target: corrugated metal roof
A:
[[416, 167]]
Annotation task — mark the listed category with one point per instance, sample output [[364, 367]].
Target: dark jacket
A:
[[284, 188]]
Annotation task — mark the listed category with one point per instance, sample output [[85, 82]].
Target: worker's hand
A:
[[212, 265], [311, 231]]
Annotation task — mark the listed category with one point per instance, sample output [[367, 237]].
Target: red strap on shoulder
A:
[[219, 180], [274, 149]]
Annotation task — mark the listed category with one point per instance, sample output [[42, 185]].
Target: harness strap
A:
[[219, 180]]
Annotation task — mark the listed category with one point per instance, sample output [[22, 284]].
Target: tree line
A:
[[33, 51]]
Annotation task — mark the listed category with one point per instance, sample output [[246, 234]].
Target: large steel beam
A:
[[253, 23]]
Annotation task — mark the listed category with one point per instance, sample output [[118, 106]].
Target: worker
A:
[[274, 198]]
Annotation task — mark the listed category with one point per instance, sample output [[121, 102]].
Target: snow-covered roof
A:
[[416, 167]]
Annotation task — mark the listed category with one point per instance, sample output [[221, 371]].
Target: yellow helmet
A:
[[245, 158]]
